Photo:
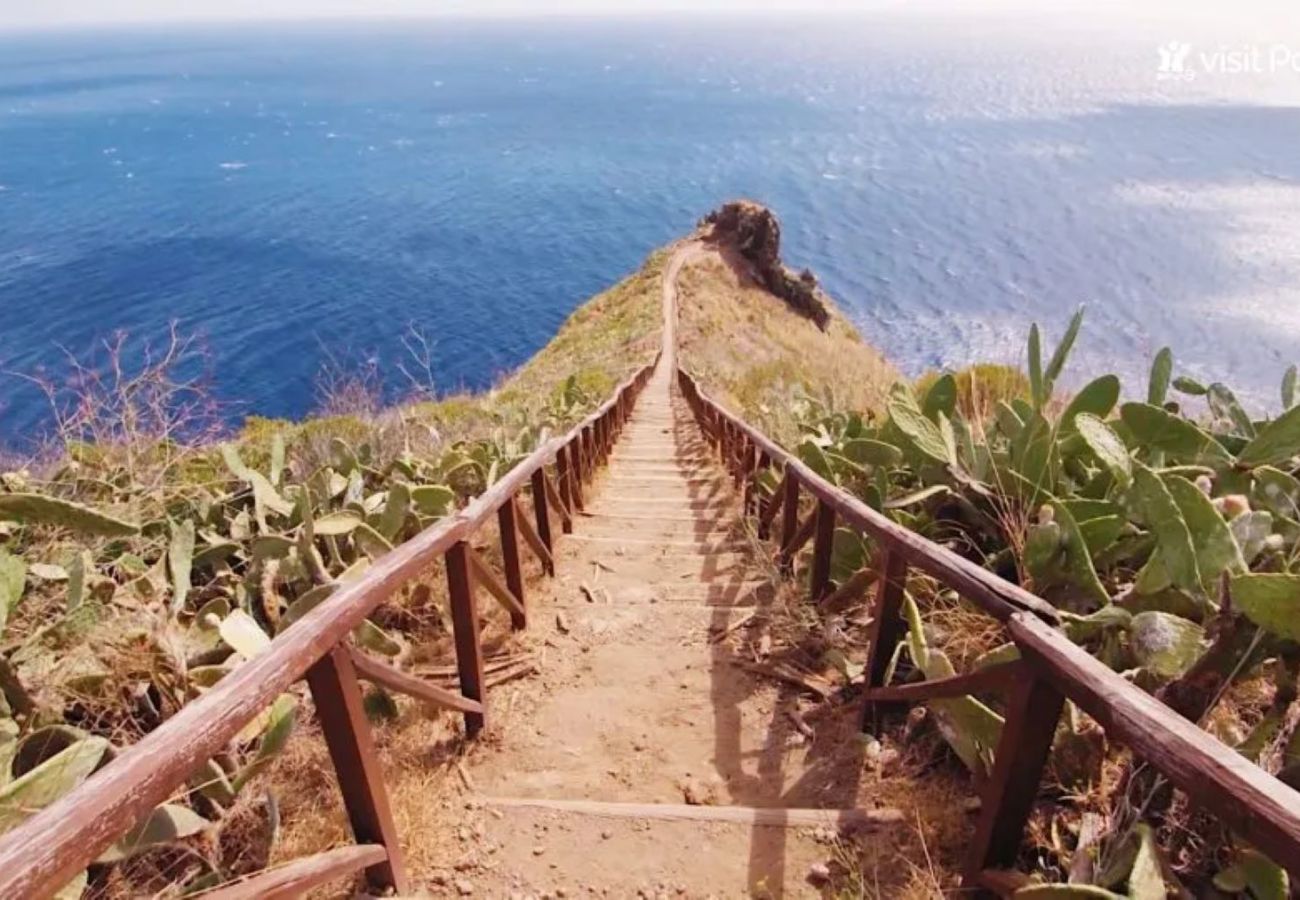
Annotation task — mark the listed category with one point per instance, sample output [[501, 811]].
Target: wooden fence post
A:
[[886, 629], [337, 696], [1033, 709], [510, 558], [577, 462], [790, 509], [464, 620], [563, 476], [542, 513], [823, 543]]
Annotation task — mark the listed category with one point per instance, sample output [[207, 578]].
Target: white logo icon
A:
[[1173, 62]]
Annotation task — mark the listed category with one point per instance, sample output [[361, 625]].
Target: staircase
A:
[[646, 760]]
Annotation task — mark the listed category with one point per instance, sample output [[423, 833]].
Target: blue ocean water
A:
[[295, 192]]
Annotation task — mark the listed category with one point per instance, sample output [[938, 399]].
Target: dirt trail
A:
[[643, 699]]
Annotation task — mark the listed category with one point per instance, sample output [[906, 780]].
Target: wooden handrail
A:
[[40, 856], [298, 877], [997, 597], [1254, 804]]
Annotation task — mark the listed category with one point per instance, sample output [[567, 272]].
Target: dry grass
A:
[[757, 356]]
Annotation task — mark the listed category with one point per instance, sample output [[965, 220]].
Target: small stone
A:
[[440, 876], [538, 850], [561, 892], [464, 887], [819, 873], [561, 623]]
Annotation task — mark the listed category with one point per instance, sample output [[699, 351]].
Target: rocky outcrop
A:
[[752, 230]]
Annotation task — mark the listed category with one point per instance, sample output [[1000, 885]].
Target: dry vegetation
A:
[[758, 358]]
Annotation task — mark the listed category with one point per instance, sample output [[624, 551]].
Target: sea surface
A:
[[299, 197]]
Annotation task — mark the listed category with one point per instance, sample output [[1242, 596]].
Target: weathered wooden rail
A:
[[50, 848], [1256, 806]]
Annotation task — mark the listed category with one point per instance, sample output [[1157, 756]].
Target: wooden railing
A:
[[50, 848], [1051, 669]]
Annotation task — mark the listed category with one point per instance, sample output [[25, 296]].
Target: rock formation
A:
[[753, 231]]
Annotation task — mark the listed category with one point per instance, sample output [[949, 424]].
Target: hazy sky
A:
[[26, 13]]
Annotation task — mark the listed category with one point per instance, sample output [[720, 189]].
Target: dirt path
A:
[[643, 699]]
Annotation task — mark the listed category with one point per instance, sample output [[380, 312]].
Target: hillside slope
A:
[[761, 353]]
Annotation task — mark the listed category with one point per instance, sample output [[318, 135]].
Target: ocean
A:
[[300, 196]]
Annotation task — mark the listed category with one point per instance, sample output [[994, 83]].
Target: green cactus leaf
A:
[[1082, 629], [39, 509], [336, 524], [433, 499], [1057, 363], [918, 429], [1216, 548], [969, 727], [867, 452], [265, 496], [1034, 457], [1065, 892], [1096, 398], [1161, 430], [1037, 390], [180, 562], [212, 782], [1165, 520], [1003, 653], [1043, 552], [1277, 442], [1255, 874], [48, 572], [1165, 644], [1251, 531], [812, 456], [1223, 403], [372, 637], [278, 728], [396, 507], [1162, 369], [13, 581], [243, 635], [1106, 446], [277, 459], [215, 553], [1289, 392], [74, 889], [167, 823], [271, 546], [1077, 564], [1271, 601], [37, 789], [306, 603], [1009, 421], [941, 398], [342, 457], [1277, 491], [1146, 880], [371, 542], [79, 573], [917, 497], [1190, 386], [849, 553], [1101, 533]]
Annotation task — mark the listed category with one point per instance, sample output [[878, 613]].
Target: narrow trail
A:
[[642, 698]]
